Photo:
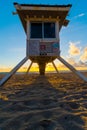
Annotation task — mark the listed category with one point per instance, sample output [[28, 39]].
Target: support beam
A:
[[42, 67], [80, 75], [9, 75], [29, 67], [55, 67]]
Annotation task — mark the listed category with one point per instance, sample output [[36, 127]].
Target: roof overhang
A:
[[40, 12]]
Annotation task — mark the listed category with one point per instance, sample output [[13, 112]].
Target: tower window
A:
[[42, 30], [36, 30], [49, 30]]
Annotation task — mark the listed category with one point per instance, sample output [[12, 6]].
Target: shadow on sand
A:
[[39, 106]]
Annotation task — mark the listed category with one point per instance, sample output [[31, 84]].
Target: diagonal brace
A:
[[80, 75], [55, 67], [29, 67], [9, 75]]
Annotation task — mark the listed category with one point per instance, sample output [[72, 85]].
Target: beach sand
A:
[[50, 102]]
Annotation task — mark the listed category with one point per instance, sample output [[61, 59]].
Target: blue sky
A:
[[73, 38]]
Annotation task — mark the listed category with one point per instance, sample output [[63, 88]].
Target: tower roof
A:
[[39, 11]]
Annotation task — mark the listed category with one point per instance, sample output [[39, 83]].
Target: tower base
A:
[[42, 67]]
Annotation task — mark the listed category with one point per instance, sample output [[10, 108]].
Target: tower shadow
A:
[[40, 105]]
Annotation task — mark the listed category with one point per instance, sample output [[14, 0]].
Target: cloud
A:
[[79, 65], [73, 49], [82, 64], [71, 60], [83, 57], [80, 15], [4, 69]]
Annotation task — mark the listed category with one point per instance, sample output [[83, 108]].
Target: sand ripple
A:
[[43, 103]]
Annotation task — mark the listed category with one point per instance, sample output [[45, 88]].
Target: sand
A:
[[50, 102]]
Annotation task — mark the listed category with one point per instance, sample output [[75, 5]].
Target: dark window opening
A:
[[43, 30], [49, 30], [36, 30]]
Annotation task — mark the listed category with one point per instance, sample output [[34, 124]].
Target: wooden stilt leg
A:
[[29, 67], [80, 75], [55, 67], [13, 71], [42, 68]]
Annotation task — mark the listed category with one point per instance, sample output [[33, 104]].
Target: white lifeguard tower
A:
[[42, 24]]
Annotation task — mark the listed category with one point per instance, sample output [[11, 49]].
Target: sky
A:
[[73, 38]]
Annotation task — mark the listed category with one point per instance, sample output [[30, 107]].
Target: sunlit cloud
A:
[[79, 65], [72, 61], [74, 49], [5, 69], [77, 57], [82, 64], [83, 57]]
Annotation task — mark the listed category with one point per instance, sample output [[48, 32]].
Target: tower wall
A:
[[46, 44]]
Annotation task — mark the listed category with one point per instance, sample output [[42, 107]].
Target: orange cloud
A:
[[73, 49], [84, 55], [71, 61], [4, 69]]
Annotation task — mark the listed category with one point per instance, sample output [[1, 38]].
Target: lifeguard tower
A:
[[42, 24]]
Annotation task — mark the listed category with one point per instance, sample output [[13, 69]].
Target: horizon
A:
[[49, 68]]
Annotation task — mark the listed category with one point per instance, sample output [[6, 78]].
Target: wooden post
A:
[[80, 75], [29, 67], [28, 36], [57, 30], [42, 66], [55, 67], [57, 34], [9, 75]]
